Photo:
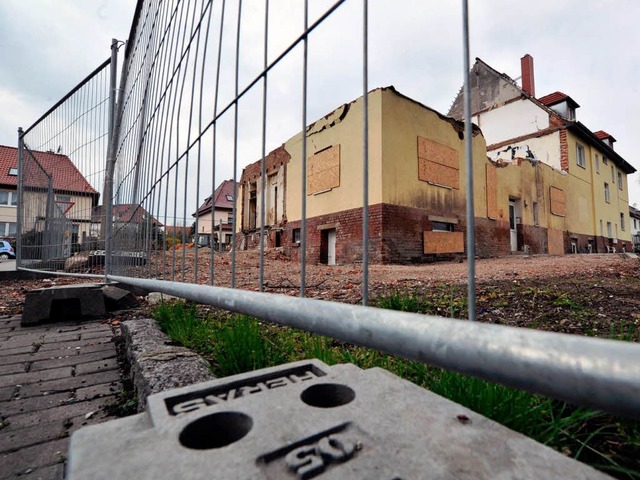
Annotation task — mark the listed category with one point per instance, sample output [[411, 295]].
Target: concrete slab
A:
[[307, 419], [62, 303]]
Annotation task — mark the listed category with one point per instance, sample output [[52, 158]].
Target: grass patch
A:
[[236, 343]]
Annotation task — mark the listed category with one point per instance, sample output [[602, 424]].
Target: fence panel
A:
[[62, 172]]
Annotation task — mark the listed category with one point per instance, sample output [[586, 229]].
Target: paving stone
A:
[[99, 347], [33, 404], [41, 355], [62, 302], [38, 339], [72, 360], [4, 352], [98, 391], [30, 458], [74, 344], [12, 368], [6, 393], [52, 472], [70, 383], [58, 413], [99, 366], [6, 330], [12, 440], [106, 333], [34, 377]]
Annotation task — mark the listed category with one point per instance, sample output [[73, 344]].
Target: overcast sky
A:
[[586, 49]]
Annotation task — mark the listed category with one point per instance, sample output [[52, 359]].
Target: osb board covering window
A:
[[492, 192], [443, 242], [323, 170], [438, 163], [555, 240], [558, 201]]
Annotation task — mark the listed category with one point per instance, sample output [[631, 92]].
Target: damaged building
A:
[[583, 209], [557, 189]]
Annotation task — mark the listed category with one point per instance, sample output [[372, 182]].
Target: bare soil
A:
[[581, 294]]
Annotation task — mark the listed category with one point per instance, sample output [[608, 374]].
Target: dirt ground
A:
[[583, 294]]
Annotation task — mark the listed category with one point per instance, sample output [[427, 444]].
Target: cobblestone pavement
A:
[[54, 379]]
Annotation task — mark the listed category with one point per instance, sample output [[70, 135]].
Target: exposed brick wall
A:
[[528, 79], [564, 151], [534, 237]]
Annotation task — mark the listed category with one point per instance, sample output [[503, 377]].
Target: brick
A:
[[5, 352], [99, 366], [70, 383], [34, 377], [49, 453], [98, 391], [72, 360], [15, 439], [74, 344], [12, 368], [33, 404], [6, 393], [52, 472], [58, 413], [106, 333], [99, 347]]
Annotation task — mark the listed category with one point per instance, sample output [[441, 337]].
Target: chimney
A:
[[528, 82]]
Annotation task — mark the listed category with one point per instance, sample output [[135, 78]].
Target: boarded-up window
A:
[[558, 201], [492, 192], [323, 170], [438, 164], [443, 242]]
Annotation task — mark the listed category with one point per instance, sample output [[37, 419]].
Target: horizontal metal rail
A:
[[598, 373]]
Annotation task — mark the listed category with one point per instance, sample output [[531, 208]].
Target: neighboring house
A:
[[142, 227], [52, 182], [586, 209], [216, 212], [634, 224]]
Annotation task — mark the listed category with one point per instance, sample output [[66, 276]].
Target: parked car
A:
[[6, 250]]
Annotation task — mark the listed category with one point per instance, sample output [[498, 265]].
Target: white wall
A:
[[546, 149], [521, 117]]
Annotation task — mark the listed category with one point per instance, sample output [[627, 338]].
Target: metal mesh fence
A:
[[227, 150], [62, 172]]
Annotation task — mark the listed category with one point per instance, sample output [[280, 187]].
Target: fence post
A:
[[20, 208], [107, 200]]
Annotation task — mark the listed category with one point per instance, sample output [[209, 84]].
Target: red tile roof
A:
[[601, 134], [125, 212], [557, 97], [221, 196], [66, 177]]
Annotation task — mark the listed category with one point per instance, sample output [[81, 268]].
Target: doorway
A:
[[514, 220], [328, 246]]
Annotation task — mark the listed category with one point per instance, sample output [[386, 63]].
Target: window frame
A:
[[438, 226], [13, 171], [12, 196], [597, 163], [296, 236], [607, 193], [580, 159], [620, 181], [622, 221]]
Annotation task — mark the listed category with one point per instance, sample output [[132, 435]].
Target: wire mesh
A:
[[62, 175]]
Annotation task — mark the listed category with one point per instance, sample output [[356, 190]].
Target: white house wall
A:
[[512, 120], [545, 149]]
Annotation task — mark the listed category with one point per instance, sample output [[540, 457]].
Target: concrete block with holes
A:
[[63, 303], [305, 420]]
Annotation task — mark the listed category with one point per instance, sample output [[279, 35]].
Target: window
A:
[[8, 198], [607, 195], [597, 163], [601, 232], [613, 175], [622, 221], [609, 232], [230, 198], [296, 235], [580, 156], [604, 160], [620, 180], [13, 172], [230, 218], [442, 227], [63, 198], [228, 238], [635, 225], [8, 229], [535, 213]]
